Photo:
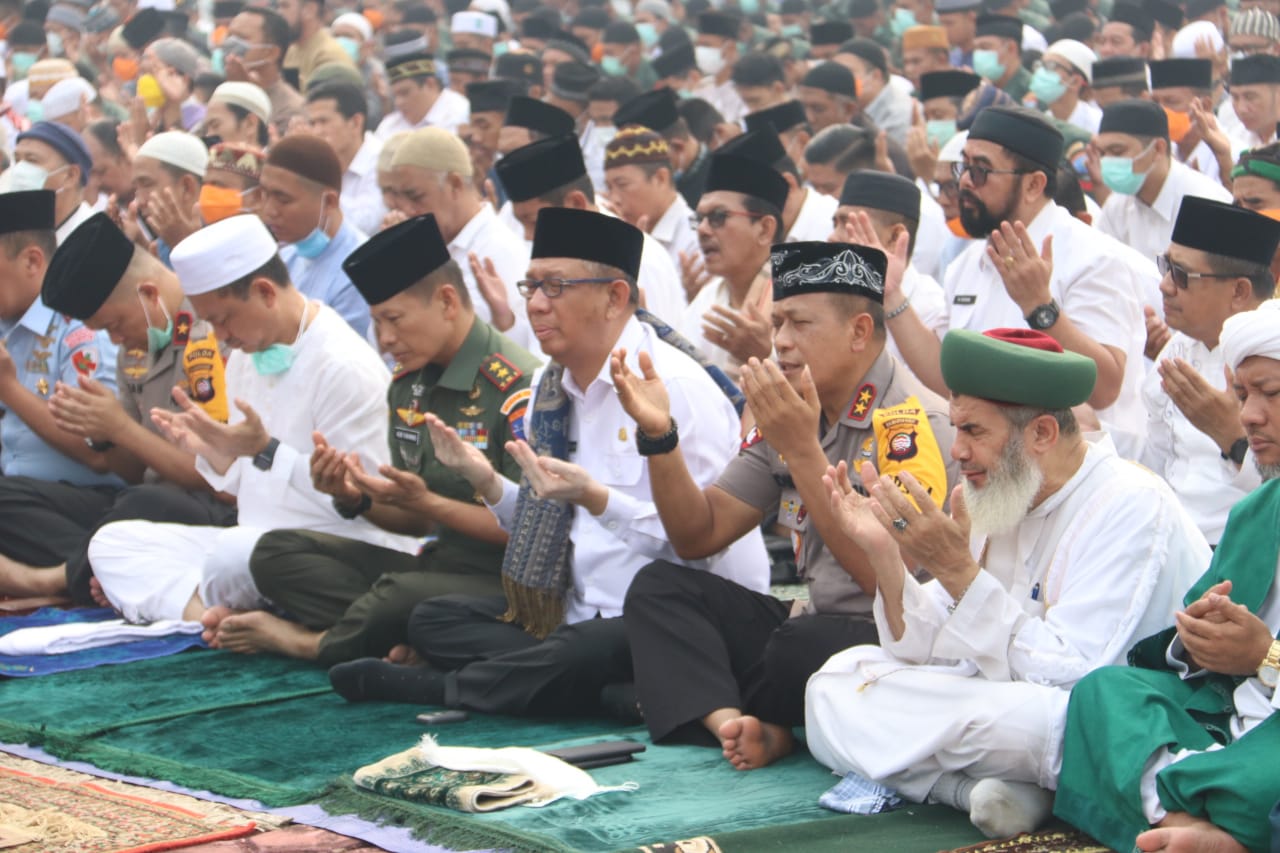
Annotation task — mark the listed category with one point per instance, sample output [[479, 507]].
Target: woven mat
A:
[[62, 811], [1045, 841]]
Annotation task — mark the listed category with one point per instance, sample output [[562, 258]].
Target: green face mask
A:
[[158, 340]]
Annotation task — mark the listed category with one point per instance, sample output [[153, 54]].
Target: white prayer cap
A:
[[1078, 54], [359, 23], [222, 253], [495, 7], [951, 150], [246, 96], [67, 96], [1033, 39], [1251, 333], [475, 23], [158, 5], [179, 149], [1184, 43]]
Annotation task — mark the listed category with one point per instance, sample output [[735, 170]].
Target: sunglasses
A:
[[1181, 276], [718, 217], [978, 174]]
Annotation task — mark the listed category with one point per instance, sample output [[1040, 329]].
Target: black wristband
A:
[[264, 460], [352, 512], [664, 443], [1238, 449], [99, 446]]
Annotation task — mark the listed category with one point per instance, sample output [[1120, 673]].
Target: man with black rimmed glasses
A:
[[1216, 266], [582, 522], [1034, 265]]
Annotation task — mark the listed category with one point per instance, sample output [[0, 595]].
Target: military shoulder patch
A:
[[514, 408], [182, 322], [502, 373]]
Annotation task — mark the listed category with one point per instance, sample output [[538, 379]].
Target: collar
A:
[[1169, 198], [366, 159], [632, 338], [1095, 453], [38, 318], [667, 226], [471, 231], [871, 390], [460, 374]]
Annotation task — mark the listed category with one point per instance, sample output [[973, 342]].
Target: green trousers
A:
[[359, 594]]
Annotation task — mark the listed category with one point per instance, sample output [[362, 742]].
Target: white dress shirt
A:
[[724, 97], [676, 233], [1097, 281], [927, 300], [815, 218], [932, 237], [450, 111], [610, 549], [489, 238], [891, 110], [72, 222], [660, 280], [361, 198], [714, 292], [1086, 116], [1189, 460]]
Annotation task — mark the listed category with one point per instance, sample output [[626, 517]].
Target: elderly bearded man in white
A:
[[1059, 554]]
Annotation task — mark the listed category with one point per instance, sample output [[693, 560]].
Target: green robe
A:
[[1120, 716]]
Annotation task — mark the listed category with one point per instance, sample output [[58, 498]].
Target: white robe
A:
[[336, 386], [1102, 562]]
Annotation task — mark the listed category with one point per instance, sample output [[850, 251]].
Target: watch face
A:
[[1269, 676], [1044, 317]]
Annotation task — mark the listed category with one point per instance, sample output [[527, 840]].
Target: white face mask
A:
[[25, 175], [709, 59]]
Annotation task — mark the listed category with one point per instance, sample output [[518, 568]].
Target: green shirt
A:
[[482, 393], [1019, 84]]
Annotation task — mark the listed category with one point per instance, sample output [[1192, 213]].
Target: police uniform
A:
[[755, 655], [82, 274], [360, 594]]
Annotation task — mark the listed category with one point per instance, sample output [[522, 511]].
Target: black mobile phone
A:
[[598, 754], [432, 718]]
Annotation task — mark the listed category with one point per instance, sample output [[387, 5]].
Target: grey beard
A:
[[1268, 472], [1012, 484]]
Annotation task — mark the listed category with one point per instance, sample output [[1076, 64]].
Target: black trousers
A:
[[44, 523], [499, 668], [700, 643]]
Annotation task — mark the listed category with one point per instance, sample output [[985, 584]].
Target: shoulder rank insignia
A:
[[181, 328], [862, 402], [502, 373], [411, 416]]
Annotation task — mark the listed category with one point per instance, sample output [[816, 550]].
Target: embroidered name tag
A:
[[408, 436], [964, 299]]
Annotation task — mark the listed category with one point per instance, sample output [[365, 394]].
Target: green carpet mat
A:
[[271, 730]]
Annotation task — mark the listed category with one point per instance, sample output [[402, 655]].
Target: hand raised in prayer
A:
[[392, 217], [1025, 272], [1215, 413], [1205, 608], [922, 153], [1228, 639], [402, 489], [787, 415], [693, 273], [747, 333], [493, 291], [884, 163], [90, 411], [858, 229], [200, 435], [1158, 333], [643, 397], [329, 473], [173, 221], [467, 459], [1205, 124], [558, 480], [173, 84], [926, 535], [855, 513]]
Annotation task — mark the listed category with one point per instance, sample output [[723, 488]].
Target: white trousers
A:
[[149, 571], [905, 725]]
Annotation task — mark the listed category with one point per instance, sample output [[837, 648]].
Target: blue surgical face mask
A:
[[312, 245], [612, 66], [35, 110], [218, 61], [987, 65], [351, 46], [1047, 86], [54, 42], [903, 20], [648, 34], [278, 358], [748, 7], [157, 339], [22, 63], [939, 131], [1119, 176], [793, 31], [500, 47]]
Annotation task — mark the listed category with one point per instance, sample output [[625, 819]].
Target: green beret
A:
[[1021, 367]]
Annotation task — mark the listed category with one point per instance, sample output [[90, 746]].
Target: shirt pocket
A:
[[622, 469]]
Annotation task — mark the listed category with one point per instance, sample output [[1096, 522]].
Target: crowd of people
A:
[[506, 355]]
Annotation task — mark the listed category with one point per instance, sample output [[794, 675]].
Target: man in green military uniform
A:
[[345, 599]]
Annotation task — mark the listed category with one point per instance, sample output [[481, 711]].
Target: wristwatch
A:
[[1044, 316], [352, 512], [1239, 448], [99, 446], [1269, 672], [264, 460]]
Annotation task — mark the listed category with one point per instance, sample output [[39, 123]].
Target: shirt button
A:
[[612, 525]]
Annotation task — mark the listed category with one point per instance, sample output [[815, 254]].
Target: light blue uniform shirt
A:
[[47, 347], [322, 277]]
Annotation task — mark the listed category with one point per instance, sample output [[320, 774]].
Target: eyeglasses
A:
[[979, 174], [1055, 67], [718, 217], [1181, 276], [945, 189], [553, 287]]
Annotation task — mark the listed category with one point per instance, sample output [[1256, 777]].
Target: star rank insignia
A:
[[502, 373], [862, 402]]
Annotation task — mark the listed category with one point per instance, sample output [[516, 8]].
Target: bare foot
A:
[[22, 581], [211, 619], [98, 594], [258, 631], [1197, 836], [405, 654], [750, 744]]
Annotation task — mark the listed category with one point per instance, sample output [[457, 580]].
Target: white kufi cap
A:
[[179, 149], [476, 23], [222, 253]]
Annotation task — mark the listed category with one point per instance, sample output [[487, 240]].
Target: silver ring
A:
[[900, 524]]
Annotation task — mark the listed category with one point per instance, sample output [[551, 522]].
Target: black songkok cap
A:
[[738, 174], [719, 24], [1119, 71], [1022, 131], [655, 110], [951, 83], [818, 267], [830, 32], [391, 261], [491, 96], [674, 61], [1258, 68], [572, 80], [831, 77], [410, 66], [536, 169], [468, 60], [1061, 8], [524, 67], [882, 191], [1135, 117], [863, 8], [1000, 26], [761, 145], [1135, 16], [1224, 229], [539, 116], [227, 8], [86, 267], [1171, 73], [779, 119], [28, 210], [563, 232], [143, 28], [1166, 14]]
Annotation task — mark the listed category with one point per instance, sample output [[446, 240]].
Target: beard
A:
[[1012, 484], [1267, 472], [977, 219]]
